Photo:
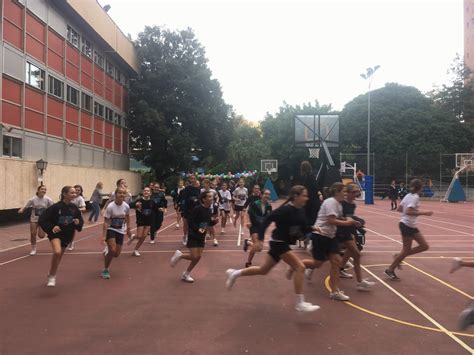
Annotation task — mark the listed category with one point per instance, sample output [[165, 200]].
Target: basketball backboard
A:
[[312, 130], [269, 166]]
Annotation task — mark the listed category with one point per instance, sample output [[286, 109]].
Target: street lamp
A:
[[368, 75], [41, 166]]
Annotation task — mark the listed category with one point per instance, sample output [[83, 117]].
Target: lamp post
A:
[[41, 166], [368, 76]]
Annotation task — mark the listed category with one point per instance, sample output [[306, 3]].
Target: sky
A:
[[265, 53]]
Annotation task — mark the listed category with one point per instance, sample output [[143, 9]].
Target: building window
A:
[[86, 47], [55, 87], [118, 75], [72, 37], [11, 146], [110, 68], [118, 119], [98, 59], [72, 95], [34, 76], [86, 102], [98, 109], [109, 114]]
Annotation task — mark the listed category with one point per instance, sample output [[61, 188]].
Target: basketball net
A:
[[313, 153]]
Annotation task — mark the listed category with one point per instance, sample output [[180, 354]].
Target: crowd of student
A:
[[330, 224]]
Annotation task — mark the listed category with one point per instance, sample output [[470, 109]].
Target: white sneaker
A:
[[306, 307], [185, 239], [308, 273], [33, 252], [230, 279], [216, 243], [175, 258], [348, 266], [176, 226], [242, 233], [105, 251], [345, 275], [152, 241], [223, 231], [131, 239], [70, 246], [136, 253], [455, 264], [187, 278], [339, 296], [365, 285], [51, 281]]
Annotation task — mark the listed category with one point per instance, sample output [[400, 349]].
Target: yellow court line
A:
[[395, 320], [440, 281]]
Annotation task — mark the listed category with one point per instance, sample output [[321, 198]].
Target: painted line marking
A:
[[239, 239], [10, 261]]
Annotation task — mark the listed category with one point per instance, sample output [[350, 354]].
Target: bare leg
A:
[[298, 274], [351, 250], [114, 252], [142, 232], [267, 265], [194, 256], [33, 229], [407, 250], [58, 252], [256, 245], [335, 260]]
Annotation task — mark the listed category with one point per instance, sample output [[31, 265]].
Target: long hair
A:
[[295, 191], [79, 187], [38, 189], [335, 188], [64, 191]]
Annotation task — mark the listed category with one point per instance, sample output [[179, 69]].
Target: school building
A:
[[65, 71], [469, 34]]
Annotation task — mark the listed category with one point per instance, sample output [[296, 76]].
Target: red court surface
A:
[[146, 309]]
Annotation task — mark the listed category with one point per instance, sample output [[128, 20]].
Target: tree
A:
[[176, 108], [403, 121]]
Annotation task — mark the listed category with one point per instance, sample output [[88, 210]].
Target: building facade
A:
[[65, 69], [469, 34]]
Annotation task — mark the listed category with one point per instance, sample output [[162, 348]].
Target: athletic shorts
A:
[[115, 235], [65, 238], [323, 247], [239, 208], [344, 237], [407, 231], [196, 241], [254, 230], [277, 249], [224, 210]]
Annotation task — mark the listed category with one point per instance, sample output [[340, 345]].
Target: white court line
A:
[[420, 311], [10, 261], [427, 224], [240, 235]]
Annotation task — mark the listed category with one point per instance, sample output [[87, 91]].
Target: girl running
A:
[[345, 236], [190, 199], [81, 204], [39, 204], [409, 208], [96, 200], [176, 202], [324, 242], [258, 211], [240, 196], [214, 208], [393, 195], [116, 224], [225, 198], [290, 225], [144, 207], [60, 221], [160, 204], [199, 221]]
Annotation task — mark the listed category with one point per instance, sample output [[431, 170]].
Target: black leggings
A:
[[156, 224]]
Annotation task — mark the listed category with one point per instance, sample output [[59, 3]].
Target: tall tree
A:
[[176, 108]]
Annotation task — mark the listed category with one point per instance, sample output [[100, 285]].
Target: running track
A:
[[146, 309]]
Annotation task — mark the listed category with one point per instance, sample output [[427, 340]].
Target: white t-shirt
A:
[[409, 201], [116, 214], [240, 196], [38, 206], [330, 207], [79, 202], [212, 191], [225, 199]]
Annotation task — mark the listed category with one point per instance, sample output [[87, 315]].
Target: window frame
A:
[[69, 89], [99, 109], [118, 119], [99, 59], [10, 138], [70, 33], [86, 98], [109, 111], [28, 76], [107, 65], [86, 47], [54, 81]]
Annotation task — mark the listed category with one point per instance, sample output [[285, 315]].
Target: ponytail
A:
[[335, 188]]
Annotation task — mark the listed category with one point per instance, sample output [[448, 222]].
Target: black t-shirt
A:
[[190, 198], [62, 215], [145, 212], [290, 224], [348, 210], [200, 218]]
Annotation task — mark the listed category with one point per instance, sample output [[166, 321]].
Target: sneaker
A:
[[289, 273], [222, 231], [246, 244], [187, 278], [136, 253], [248, 264], [230, 279], [466, 318], [455, 265], [175, 258], [306, 307], [339, 296], [105, 274], [51, 281], [242, 233], [176, 226], [308, 273], [33, 252], [345, 275], [152, 241], [365, 285], [215, 243], [130, 239], [391, 275], [185, 239], [105, 251], [70, 246], [348, 266]]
